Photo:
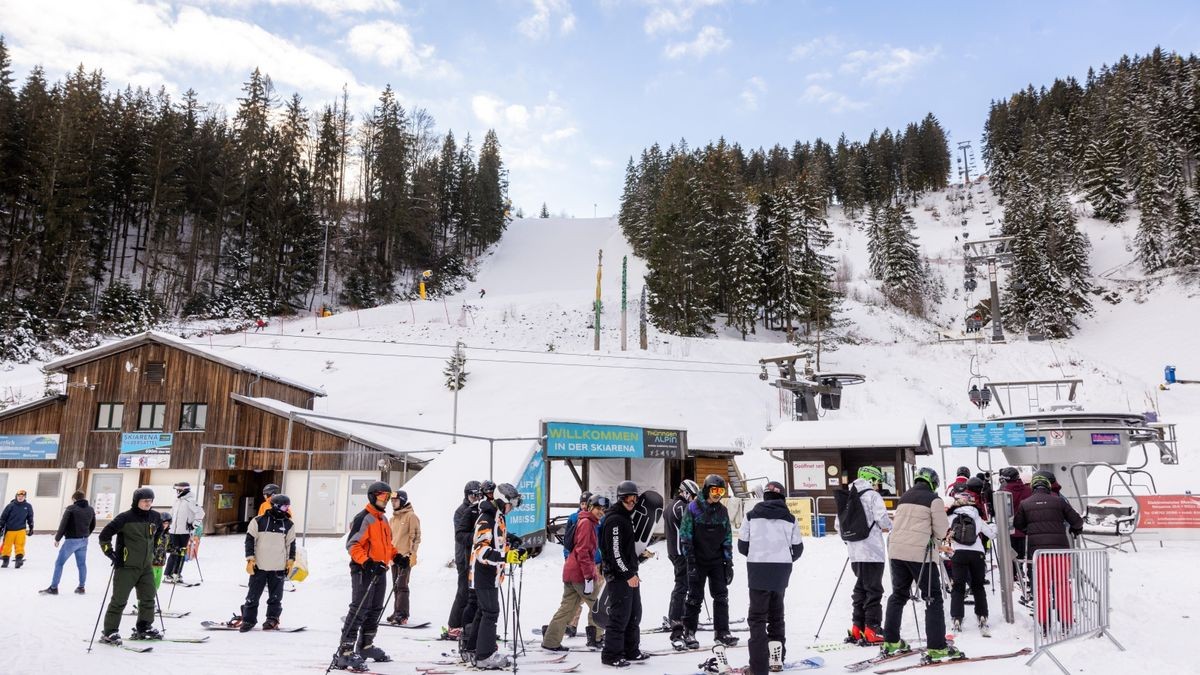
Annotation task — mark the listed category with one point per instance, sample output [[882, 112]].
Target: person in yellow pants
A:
[[16, 521]]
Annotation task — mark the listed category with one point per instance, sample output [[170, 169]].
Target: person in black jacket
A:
[[78, 523], [1045, 518], [464, 532], [137, 533], [674, 518], [622, 635], [706, 541], [270, 554], [15, 523]]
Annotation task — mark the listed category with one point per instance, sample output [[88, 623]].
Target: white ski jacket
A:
[[185, 514], [982, 528], [871, 549]]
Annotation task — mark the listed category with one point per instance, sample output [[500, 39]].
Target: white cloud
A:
[[328, 7], [709, 40], [820, 46], [391, 44], [887, 65], [673, 16], [755, 88], [819, 76], [601, 163], [835, 101], [559, 135], [545, 13]]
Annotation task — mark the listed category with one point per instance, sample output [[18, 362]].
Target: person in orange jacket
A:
[[371, 552]]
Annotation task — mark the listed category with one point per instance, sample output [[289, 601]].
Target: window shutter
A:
[[155, 372], [49, 484]]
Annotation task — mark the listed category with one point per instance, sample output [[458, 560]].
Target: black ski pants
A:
[[904, 574], [867, 598], [482, 639], [273, 583], [400, 591], [457, 620], [623, 634], [714, 574], [178, 550], [675, 611], [125, 581], [969, 567], [1018, 549], [765, 619], [367, 594]]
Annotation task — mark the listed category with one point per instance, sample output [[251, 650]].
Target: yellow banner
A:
[[802, 509]]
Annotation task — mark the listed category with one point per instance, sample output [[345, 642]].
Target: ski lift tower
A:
[[995, 252], [806, 385]]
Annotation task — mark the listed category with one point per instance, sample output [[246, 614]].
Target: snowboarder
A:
[[137, 533], [369, 544], [920, 526], [406, 538], [488, 557], [1045, 518], [78, 523], [16, 522], [580, 580], [186, 519], [770, 540], [968, 565], [269, 491], [1019, 490], [464, 532], [623, 633], [482, 292], [259, 324], [674, 518], [270, 554], [867, 560], [706, 541]]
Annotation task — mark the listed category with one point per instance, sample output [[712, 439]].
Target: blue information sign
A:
[[987, 434], [528, 520], [29, 446]]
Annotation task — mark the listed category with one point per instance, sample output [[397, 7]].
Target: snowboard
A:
[[810, 663], [410, 626], [222, 625], [647, 511]]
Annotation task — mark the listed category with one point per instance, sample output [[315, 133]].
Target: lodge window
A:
[[49, 484], [155, 372], [109, 416], [193, 416], [151, 416]]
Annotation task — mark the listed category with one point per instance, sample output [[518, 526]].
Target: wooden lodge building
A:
[[142, 411]]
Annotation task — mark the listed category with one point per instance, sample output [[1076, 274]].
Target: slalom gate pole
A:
[[351, 619], [103, 601], [831, 597]]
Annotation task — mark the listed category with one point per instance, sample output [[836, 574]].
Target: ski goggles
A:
[[718, 491]]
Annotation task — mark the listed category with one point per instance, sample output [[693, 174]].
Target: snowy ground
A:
[[48, 634]]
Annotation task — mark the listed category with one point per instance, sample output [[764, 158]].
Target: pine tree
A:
[[455, 371], [491, 194], [1103, 184], [545, 212], [1185, 234]]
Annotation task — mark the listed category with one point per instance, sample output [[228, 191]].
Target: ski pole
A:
[[103, 600], [158, 606], [350, 620], [831, 597], [171, 598], [198, 570]]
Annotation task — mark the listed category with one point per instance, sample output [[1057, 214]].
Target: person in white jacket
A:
[[867, 561], [186, 517], [770, 540], [968, 560]]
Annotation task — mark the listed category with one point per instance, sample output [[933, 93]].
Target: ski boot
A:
[[956, 625], [570, 631], [854, 635], [145, 631], [497, 661], [775, 656], [246, 627], [726, 639], [19, 561], [890, 648], [346, 659], [690, 641], [592, 641], [984, 629], [872, 635], [271, 624], [950, 653], [370, 651], [111, 638]]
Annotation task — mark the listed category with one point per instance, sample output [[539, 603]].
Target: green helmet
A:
[[929, 476], [871, 474]]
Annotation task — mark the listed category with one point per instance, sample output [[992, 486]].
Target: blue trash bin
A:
[[820, 526], [1169, 374]]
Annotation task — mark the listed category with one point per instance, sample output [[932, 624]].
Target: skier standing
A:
[[78, 523], [270, 554], [968, 559], [369, 544], [1020, 491], [406, 538], [623, 634], [186, 518], [137, 533], [16, 521], [770, 540], [488, 557], [572, 628], [487, 491], [269, 491], [674, 518], [706, 541], [464, 532], [919, 526], [1045, 518], [867, 560], [960, 481], [580, 578]]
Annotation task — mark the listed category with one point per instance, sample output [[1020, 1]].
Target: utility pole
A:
[[459, 357], [599, 271], [965, 146], [624, 281], [997, 328], [324, 264]]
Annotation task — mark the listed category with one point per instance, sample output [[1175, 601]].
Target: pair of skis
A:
[[141, 648], [885, 658]]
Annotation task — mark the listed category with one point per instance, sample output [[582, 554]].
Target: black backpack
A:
[[963, 531], [568, 538], [852, 518]]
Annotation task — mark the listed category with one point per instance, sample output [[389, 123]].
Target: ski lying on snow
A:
[[165, 615], [881, 658], [838, 646], [950, 662], [811, 663], [701, 648], [221, 625], [443, 670], [129, 648], [548, 659], [190, 640]]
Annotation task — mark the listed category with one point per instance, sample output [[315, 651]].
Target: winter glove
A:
[[250, 565], [198, 530], [287, 567], [401, 561], [111, 555], [29, 531], [517, 556], [589, 585], [728, 572], [374, 567]]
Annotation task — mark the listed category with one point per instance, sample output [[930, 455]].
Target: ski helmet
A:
[[929, 476], [270, 490], [584, 497], [402, 496], [182, 488], [871, 474], [711, 481], [963, 471], [281, 503], [487, 487], [507, 494], [975, 484], [626, 488], [1009, 474], [471, 488], [776, 487], [599, 501], [1042, 479], [142, 493], [377, 488], [689, 488]]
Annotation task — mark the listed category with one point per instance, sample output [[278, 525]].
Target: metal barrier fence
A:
[[1070, 599]]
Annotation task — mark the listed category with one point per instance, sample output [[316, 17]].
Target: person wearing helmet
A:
[[488, 557], [16, 522], [960, 481], [920, 525], [369, 544], [580, 577], [1020, 491], [269, 491], [270, 554], [674, 518], [968, 564], [406, 537], [706, 541], [186, 519], [770, 540], [137, 533], [623, 633], [868, 557], [1045, 518], [978, 488], [464, 531]]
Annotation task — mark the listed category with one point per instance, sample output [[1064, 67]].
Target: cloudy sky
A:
[[575, 87]]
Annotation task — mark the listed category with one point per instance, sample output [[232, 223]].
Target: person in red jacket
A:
[[581, 582], [371, 551], [1019, 490]]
